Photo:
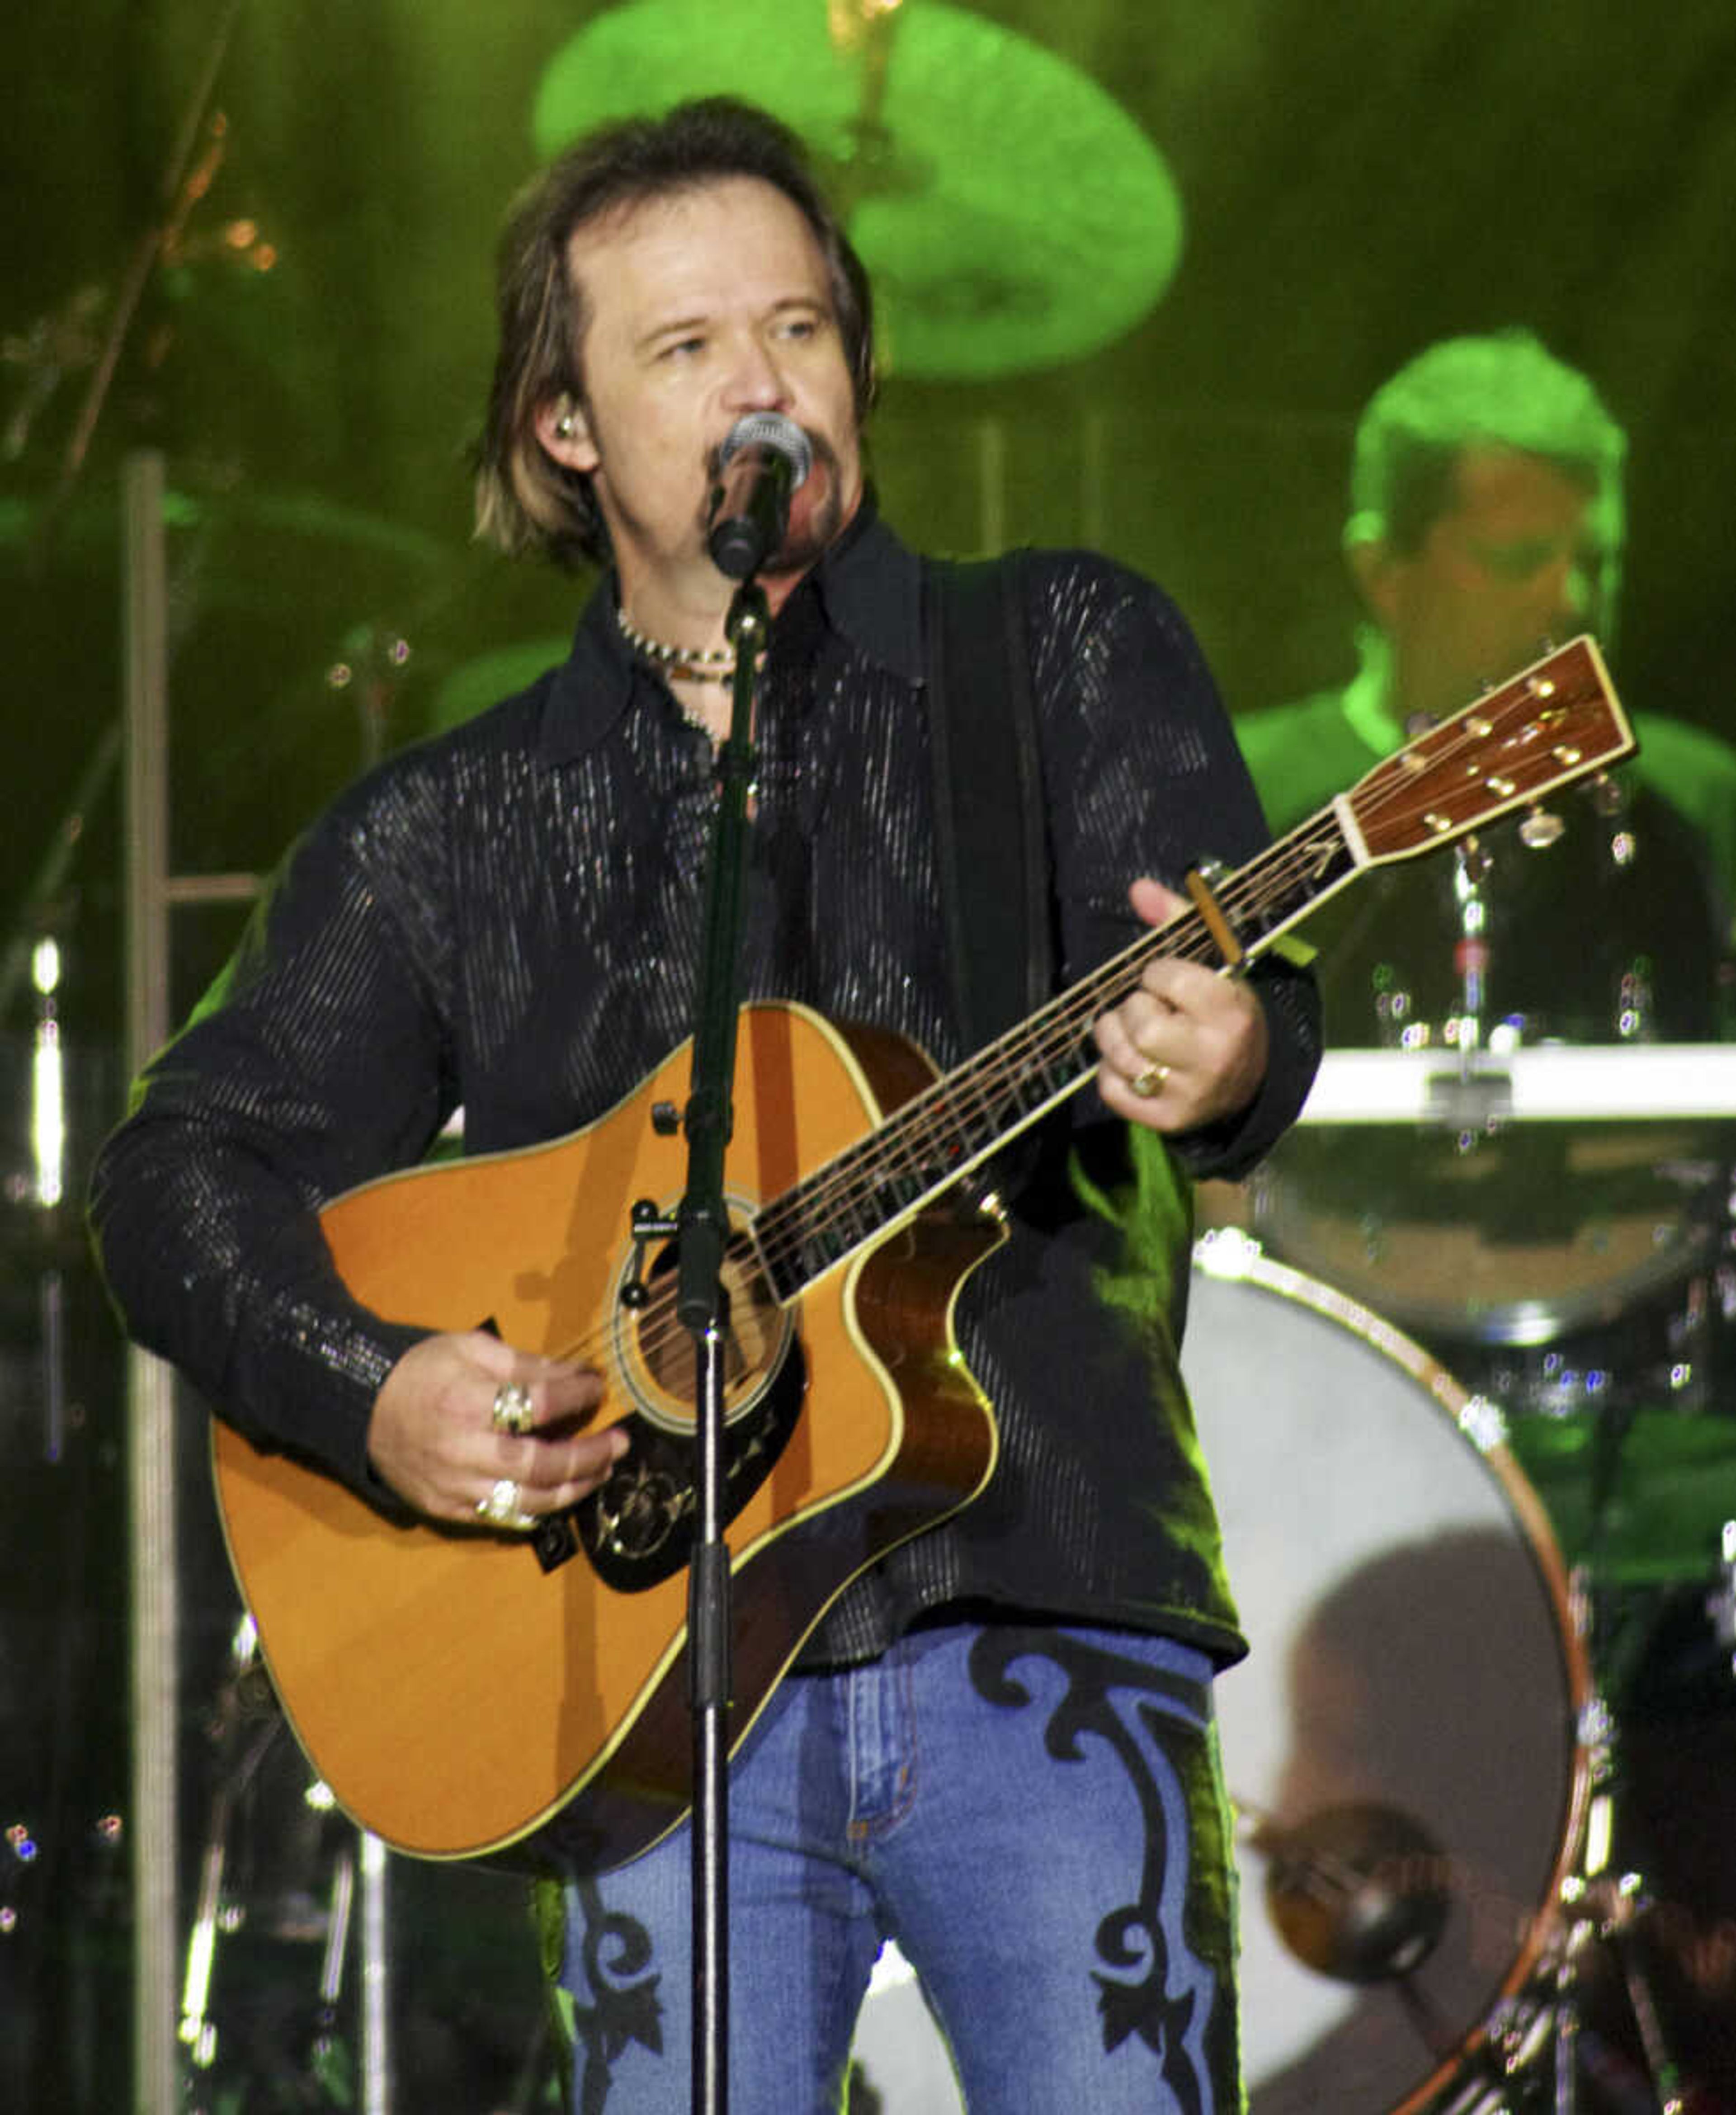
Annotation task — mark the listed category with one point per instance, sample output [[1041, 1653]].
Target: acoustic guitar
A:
[[465, 1692]]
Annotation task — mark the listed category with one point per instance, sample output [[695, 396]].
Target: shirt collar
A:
[[868, 588]]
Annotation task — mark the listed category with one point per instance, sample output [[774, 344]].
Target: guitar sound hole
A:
[[661, 1363]]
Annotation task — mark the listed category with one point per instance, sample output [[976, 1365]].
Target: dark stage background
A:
[[1355, 182]]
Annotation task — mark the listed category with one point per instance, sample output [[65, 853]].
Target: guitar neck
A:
[[969, 1116], [1553, 723]]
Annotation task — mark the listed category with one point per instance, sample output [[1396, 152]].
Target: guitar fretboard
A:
[[971, 1113], [1553, 723]]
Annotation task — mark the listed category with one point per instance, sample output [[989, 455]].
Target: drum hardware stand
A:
[[331, 1962], [1596, 1905], [1471, 865], [1605, 1910], [235, 1771], [238, 1764], [1721, 1605]]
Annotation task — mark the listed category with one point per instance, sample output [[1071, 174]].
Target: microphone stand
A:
[[701, 1306]]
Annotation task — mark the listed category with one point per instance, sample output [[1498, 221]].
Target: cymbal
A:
[[1011, 215]]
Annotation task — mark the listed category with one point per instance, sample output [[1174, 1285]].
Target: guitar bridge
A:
[[637, 1527]]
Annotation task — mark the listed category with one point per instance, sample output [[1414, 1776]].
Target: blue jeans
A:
[[1035, 1813]]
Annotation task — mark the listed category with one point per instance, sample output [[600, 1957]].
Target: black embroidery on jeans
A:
[[1132, 1936], [624, 2006]]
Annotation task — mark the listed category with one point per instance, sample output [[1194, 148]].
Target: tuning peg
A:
[[1607, 796], [1541, 829]]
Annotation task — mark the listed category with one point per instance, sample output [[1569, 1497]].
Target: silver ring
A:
[[513, 1411], [501, 1507], [1150, 1082]]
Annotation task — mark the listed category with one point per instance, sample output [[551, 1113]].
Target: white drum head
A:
[[1413, 1668]]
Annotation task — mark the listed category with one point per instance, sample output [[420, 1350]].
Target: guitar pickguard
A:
[[637, 1528]]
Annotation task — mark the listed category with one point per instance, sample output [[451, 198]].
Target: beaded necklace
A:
[[696, 664]]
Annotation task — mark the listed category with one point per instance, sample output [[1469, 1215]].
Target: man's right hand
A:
[[434, 1439]]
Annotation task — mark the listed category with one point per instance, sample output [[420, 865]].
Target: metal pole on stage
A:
[[154, 1546], [152, 895]]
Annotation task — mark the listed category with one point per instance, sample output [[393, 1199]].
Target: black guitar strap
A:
[[991, 840]]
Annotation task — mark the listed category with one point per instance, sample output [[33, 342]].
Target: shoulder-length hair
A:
[[525, 499]]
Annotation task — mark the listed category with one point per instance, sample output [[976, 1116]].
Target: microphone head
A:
[[770, 429]]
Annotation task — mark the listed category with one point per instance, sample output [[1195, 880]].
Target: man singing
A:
[[996, 1746]]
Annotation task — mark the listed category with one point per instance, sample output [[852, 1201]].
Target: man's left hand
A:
[[1189, 1046]]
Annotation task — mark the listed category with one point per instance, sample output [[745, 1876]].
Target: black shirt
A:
[[507, 918]]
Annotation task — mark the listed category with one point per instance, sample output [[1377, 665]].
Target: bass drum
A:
[[1401, 1748]]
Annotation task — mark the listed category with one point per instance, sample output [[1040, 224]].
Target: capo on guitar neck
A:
[[1199, 881]]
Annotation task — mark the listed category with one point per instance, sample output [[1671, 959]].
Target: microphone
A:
[[764, 459]]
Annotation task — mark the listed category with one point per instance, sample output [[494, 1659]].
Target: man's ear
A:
[[565, 432], [1375, 568]]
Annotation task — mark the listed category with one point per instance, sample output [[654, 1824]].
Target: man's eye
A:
[[1516, 561]]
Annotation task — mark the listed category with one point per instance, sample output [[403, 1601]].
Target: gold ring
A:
[[513, 1412], [501, 1507], [1149, 1082]]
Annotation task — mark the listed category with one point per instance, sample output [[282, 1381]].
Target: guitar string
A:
[[982, 1091], [842, 1185], [847, 1188], [985, 1090], [655, 1332], [981, 1088], [903, 1149], [908, 1153], [840, 1191], [594, 1346]]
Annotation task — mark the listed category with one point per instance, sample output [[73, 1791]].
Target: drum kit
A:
[[1461, 1376], [1472, 1449], [1427, 1776]]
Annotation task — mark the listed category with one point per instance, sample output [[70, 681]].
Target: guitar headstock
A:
[[1555, 721]]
